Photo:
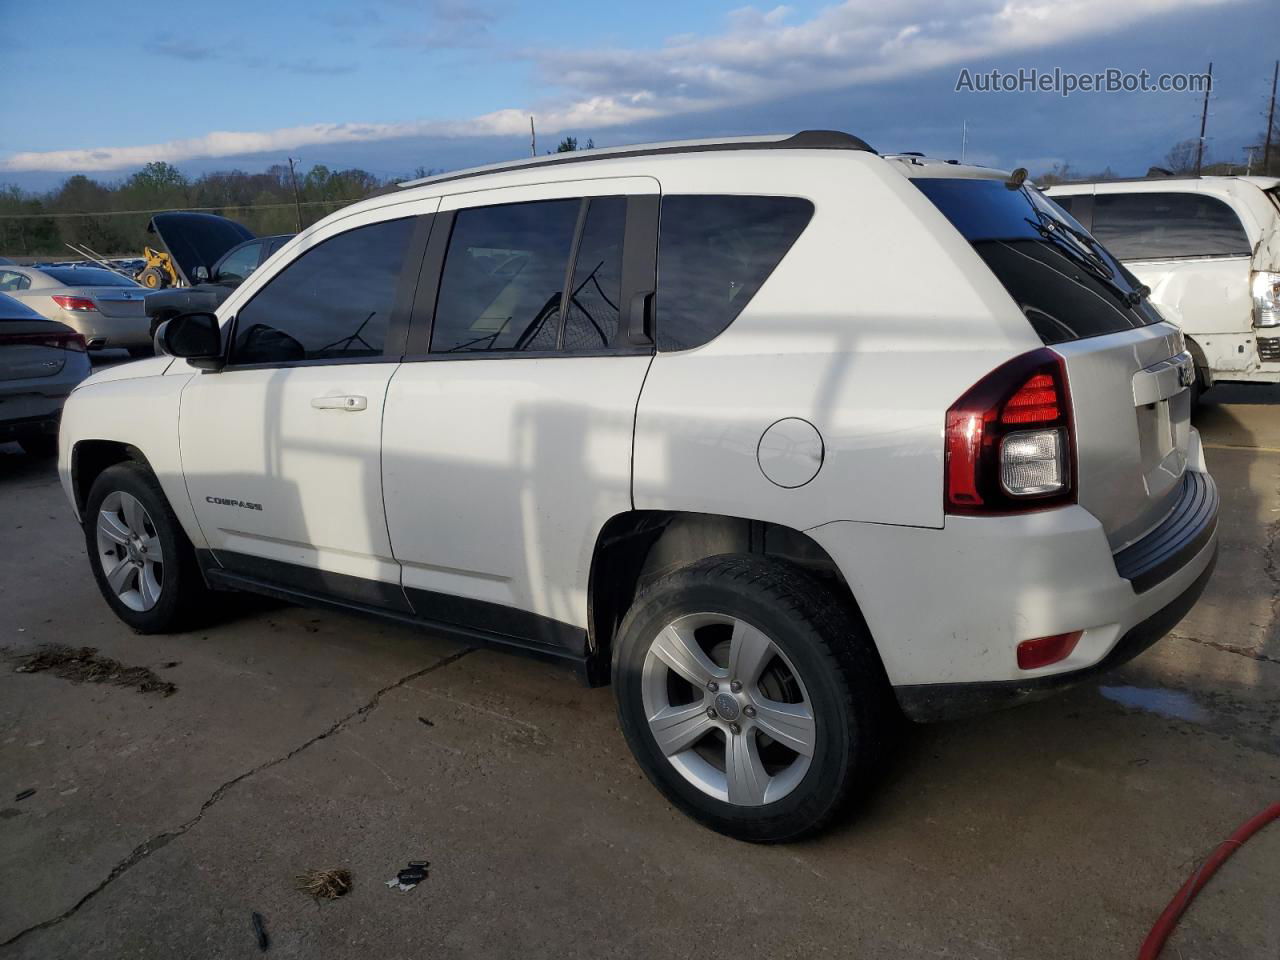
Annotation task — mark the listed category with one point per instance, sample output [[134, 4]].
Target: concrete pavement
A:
[[299, 739]]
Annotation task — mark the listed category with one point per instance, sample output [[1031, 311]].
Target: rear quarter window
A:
[[714, 254], [1160, 226], [1067, 284]]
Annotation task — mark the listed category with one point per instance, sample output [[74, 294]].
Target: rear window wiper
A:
[[1082, 252]]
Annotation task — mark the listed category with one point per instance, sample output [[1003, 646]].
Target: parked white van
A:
[[1209, 250], [780, 436]]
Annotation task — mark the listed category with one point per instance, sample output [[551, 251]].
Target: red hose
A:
[[1152, 946]]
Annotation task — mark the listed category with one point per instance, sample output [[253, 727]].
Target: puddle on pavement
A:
[[1167, 703]]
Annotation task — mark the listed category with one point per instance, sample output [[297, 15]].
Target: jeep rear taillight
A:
[[1010, 442]]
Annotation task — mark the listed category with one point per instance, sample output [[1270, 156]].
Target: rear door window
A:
[[333, 302], [1162, 226], [594, 306], [1068, 285], [503, 279], [714, 254]]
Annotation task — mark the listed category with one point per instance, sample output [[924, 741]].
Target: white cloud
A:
[[759, 56]]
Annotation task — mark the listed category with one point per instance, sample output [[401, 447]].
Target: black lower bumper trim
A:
[[930, 702], [1178, 538]]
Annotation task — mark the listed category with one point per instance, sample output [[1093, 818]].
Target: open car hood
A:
[[196, 239]]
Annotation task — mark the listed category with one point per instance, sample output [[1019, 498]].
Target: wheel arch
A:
[[89, 458], [1203, 369], [638, 546]]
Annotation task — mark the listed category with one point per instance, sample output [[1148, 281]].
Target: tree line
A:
[[91, 213]]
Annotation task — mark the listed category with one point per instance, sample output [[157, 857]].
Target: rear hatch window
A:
[[87, 277], [1168, 226], [1068, 285]]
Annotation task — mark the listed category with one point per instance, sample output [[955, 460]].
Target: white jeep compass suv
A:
[[781, 436]]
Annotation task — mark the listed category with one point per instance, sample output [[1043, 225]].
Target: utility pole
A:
[[533, 140], [1271, 119], [297, 203], [964, 138], [1204, 119]]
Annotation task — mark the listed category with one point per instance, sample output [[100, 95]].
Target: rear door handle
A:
[[349, 402]]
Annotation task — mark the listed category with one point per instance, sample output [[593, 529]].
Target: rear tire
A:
[[145, 566], [1198, 390], [786, 657], [43, 445]]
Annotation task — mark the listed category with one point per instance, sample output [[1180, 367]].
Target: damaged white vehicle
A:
[[1209, 249]]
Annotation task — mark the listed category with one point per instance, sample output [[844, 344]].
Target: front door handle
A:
[[350, 402]]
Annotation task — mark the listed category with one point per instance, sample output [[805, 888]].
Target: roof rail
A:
[[804, 140]]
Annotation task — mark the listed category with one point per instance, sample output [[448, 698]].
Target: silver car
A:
[[106, 308], [41, 361]]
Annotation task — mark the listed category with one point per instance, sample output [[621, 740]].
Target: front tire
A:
[[144, 564], [750, 696]]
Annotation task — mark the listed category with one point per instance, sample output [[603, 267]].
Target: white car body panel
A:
[[1052, 571], [313, 475], [253, 437], [133, 404]]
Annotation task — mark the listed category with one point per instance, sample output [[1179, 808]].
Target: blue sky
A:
[[390, 85]]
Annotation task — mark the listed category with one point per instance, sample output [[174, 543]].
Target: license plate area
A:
[[1162, 401]]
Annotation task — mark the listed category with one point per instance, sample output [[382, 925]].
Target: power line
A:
[[122, 213]]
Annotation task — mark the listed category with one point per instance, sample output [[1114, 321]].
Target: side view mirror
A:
[[202, 274], [195, 337]]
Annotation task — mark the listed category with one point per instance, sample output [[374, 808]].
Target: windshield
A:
[[1066, 283], [87, 277]]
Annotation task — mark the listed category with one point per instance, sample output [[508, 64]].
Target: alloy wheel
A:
[[129, 551], [728, 709]]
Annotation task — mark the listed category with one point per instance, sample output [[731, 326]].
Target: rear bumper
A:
[[31, 426], [947, 608], [930, 702], [111, 331], [33, 410]]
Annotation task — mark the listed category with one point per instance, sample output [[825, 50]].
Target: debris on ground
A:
[[410, 876], [23, 794], [425, 722], [260, 931], [324, 884], [83, 665]]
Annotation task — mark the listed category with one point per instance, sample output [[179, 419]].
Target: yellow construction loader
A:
[[159, 272]]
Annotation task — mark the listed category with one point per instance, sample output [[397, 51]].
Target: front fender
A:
[[137, 412]]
